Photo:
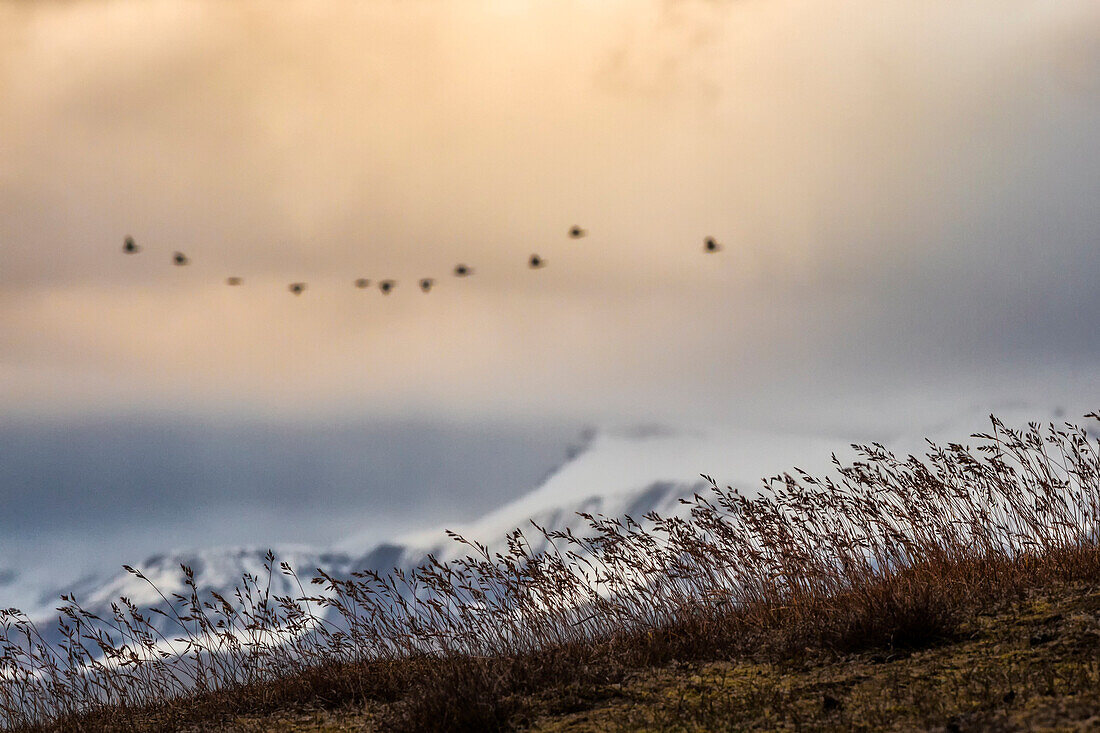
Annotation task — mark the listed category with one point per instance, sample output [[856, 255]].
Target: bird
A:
[[129, 247], [536, 262], [296, 288], [233, 281], [710, 245], [575, 232], [386, 286], [362, 283], [463, 270], [180, 259], [426, 284]]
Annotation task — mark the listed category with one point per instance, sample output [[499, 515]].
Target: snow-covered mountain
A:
[[613, 472], [610, 472], [639, 470]]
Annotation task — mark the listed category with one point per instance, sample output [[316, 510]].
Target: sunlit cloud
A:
[[901, 190]]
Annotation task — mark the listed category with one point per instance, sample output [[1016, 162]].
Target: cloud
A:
[[903, 190]]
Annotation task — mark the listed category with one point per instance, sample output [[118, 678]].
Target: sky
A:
[[906, 194]]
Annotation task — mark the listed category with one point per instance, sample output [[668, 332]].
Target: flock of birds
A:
[[535, 262]]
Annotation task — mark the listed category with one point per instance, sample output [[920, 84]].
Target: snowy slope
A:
[[617, 473], [219, 568], [216, 569]]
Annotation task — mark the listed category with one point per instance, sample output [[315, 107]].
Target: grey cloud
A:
[[130, 485]]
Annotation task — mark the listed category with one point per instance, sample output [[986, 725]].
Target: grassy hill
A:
[[954, 592], [1026, 663]]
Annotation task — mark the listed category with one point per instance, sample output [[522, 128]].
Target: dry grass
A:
[[1028, 665], [887, 553]]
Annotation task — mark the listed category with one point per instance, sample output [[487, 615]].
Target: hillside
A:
[[1028, 664]]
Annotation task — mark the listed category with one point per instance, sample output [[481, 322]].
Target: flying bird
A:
[[362, 283], [710, 245], [129, 247], [180, 259], [426, 284], [297, 288], [575, 232], [233, 281], [463, 270], [386, 286], [536, 262]]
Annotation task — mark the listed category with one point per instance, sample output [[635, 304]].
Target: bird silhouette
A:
[[575, 232], [386, 286], [362, 283], [710, 245], [129, 247], [296, 288], [233, 281], [536, 262], [180, 259], [463, 270], [426, 284]]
